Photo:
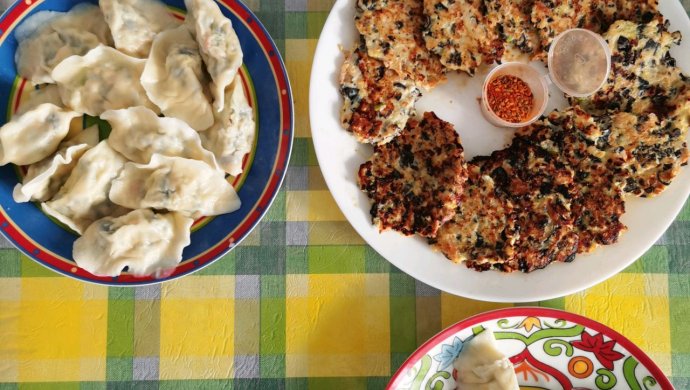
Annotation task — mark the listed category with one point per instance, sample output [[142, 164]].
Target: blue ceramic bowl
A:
[[268, 90]]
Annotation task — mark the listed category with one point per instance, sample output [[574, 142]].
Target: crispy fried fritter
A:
[[578, 141], [393, 34], [483, 230], [644, 77], [376, 101], [416, 180], [459, 32], [542, 189], [511, 19], [552, 17]]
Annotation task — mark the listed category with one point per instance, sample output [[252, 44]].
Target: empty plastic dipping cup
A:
[[537, 85], [579, 62]]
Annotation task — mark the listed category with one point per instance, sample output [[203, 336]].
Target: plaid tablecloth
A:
[[303, 302]]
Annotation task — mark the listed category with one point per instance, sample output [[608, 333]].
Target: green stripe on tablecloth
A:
[[654, 261], [271, 15], [679, 259], [295, 25], [375, 263], [336, 259], [681, 383], [31, 269], [315, 22], [403, 309], [147, 333], [679, 286], [337, 383], [255, 260], [301, 25], [120, 335], [246, 333], [680, 331], [10, 264], [296, 260], [303, 153], [684, 213], [223, 266], [681, 365], [209, 384], [277, 210], [272, 321], [556, 303]]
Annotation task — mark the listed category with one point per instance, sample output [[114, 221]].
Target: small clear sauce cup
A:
[[579, 62], [537, 83]]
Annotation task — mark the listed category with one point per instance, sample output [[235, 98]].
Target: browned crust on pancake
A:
[[393, 34], [483, 231], [376, 101], [416, 180], [459, 32]]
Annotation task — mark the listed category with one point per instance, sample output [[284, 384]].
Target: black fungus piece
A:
[[643, 84], [647, 17], [581, 175], [522, 265], [479, 243], [374, 210], [380, 72], [406, 156], [426, 23], [455, 58], [386, 46], [668, 60], [563, 190], [631, 185], [350, 93], [546, 188], [651, 45], [500, 176]]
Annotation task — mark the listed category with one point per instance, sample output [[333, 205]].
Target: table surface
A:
[[303, 302]]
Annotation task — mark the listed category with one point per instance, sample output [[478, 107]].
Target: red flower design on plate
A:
[[602, 350]]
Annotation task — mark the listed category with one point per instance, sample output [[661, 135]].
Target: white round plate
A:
[[340, 155]]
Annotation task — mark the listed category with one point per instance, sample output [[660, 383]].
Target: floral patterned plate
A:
[[551, 349]]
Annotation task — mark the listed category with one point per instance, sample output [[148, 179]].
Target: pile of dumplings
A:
[[180, 122]]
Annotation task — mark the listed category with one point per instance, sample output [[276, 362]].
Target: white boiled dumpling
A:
[[232, 135], [46, 38], [218, 44], [86, 17], [34, 135], [175, 184], [46, 93], [174, 78], [482, 366], [138, 133], [44, 178], [145, 242], [134, 23], [83, 198], [104, 79]]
